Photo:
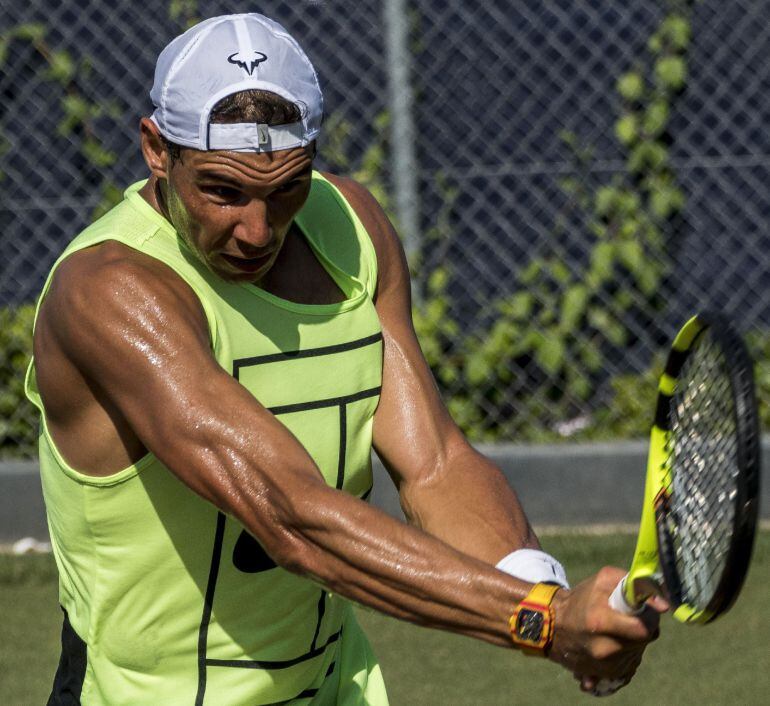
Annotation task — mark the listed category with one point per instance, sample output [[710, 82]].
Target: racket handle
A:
[[618, 602]]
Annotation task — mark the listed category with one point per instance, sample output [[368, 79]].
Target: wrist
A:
[[533, 566], [532, 623]]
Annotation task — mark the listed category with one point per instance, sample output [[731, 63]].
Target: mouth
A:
[[247, 264]]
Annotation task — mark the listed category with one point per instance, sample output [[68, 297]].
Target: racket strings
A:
[[703, 472]]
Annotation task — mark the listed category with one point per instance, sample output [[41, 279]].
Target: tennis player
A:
[[214, 360]]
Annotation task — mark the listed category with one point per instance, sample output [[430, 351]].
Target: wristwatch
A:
[[532, 622]]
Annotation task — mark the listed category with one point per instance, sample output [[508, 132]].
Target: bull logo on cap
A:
[[249, 66]]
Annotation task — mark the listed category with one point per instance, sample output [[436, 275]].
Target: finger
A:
[[658, 604], [588, 684], [632, 628], [651, 618]]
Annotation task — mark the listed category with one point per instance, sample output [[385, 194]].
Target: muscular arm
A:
[[445, 486], [137, 335], [129, 330]]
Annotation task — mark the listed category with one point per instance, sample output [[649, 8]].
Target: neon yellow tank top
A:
[[171, 601]]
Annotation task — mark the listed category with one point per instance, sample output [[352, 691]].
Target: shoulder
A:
[[111, 287], [391, 261]]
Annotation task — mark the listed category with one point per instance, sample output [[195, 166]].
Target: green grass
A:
[[31, 625], [723, 663]]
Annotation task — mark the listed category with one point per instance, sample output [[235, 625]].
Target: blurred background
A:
[[571, 180]]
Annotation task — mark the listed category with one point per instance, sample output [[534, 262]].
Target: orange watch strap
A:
[[542, 593], [539, 600]]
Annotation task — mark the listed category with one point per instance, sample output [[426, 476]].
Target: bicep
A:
[[413, 431]]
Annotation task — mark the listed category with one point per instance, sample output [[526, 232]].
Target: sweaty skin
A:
[[138, 321]]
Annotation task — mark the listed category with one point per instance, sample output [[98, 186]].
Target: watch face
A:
[[529, 626]]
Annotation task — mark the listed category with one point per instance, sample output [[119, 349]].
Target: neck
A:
[[152, 192]]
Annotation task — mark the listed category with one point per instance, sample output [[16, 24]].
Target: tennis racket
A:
[[701, 495]]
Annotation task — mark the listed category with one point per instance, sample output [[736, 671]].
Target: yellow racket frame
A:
[[644, 577]]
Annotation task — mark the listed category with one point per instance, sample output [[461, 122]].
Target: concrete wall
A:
[[567, 484]]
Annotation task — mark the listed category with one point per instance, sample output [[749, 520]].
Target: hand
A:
[[592, 640]]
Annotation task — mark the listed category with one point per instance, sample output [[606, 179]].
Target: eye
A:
[[286, 188], [226, 193]]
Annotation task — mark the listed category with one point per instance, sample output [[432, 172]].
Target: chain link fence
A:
[[571, 179]]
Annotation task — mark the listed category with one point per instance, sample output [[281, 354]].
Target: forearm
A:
[[352, 549], [468, 504], [361, 553]]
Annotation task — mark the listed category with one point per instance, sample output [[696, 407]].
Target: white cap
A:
[[224, 55]]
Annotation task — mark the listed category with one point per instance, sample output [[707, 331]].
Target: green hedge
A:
[[627, 415], [18, 417]]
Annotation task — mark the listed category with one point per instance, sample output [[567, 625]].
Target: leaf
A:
[[532, 271], [626, 129], [660, 203], [623, 299], [96, 154], [648, 279], [498, 343], [573, 307], [590, 356], [631, 255], [598, 317], [76, 110], [603, 261], [628, 228], [569, 138], [524, 343], [579, 386], [550, 352], [647, 155], [631, 86], [604, 201], [677, 31], [560, 271], [671, 72], [570, 185], [477, 368], [31, 31], [438, 280], [520, 305], [628, 202], [111, 196], [615, 332], [61, 67], [655, 118]]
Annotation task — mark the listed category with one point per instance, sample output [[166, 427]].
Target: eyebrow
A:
[[216, 176]]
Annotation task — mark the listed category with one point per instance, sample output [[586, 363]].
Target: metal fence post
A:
[[402, 132]]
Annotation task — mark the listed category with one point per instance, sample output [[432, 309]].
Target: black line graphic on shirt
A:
[[248, 554]]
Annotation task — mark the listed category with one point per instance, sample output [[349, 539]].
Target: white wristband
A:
[[533, 566]]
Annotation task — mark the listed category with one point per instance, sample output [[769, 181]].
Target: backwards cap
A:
[[225, 55]]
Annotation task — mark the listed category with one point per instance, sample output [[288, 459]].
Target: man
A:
[[214, 360]]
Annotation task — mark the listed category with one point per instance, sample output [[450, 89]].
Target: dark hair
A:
[[250, 106], [253, 106]]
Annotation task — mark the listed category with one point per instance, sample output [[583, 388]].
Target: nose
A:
[[252, 229]]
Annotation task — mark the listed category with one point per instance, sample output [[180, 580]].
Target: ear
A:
[[154, 149]]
